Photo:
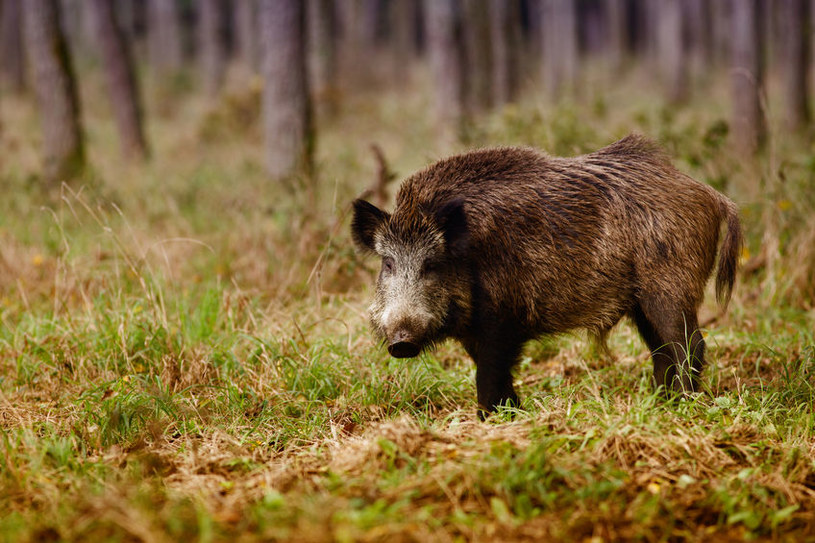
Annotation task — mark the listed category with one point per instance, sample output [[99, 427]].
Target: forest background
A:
[[183, 342]]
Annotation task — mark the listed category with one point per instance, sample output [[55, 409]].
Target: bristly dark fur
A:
[[548, 244]]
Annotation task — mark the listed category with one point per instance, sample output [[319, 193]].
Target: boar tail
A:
[[729, 253]]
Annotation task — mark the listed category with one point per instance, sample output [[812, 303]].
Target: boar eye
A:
[[387, 264], [429, 267]]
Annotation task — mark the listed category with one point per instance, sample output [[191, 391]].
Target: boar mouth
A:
[[404, 349], [404, 344]]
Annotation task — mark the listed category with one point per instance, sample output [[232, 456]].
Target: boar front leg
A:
[[494, 359]]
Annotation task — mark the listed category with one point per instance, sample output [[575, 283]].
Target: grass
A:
[[184, 353]]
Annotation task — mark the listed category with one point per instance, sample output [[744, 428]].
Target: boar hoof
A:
[[511, 401]]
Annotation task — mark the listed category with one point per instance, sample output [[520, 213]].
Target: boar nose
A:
[[402, 346]]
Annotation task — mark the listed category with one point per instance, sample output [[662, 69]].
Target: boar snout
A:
[[403, 345]]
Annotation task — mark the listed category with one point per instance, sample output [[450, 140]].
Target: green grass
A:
[[184, 352]]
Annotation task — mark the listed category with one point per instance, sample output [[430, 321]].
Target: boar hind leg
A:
[[493, 373], [677, 346]]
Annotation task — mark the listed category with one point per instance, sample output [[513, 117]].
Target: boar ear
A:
[[367, 220], [453, 222]]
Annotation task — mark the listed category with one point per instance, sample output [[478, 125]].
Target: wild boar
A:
[[496, 247]]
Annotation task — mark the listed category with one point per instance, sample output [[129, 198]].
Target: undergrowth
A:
[[184, 352]]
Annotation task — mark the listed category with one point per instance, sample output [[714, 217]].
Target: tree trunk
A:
[[164, 37], [211, 51], [559, 29], [505, 36], [721, 26], [698, 34], [12, 69], [672, 59], [53, 79], [350, 40], [647, 24], [445, 55], [372, 11], [127, 14], [77, 29], [246, 35], [477, 54], [121, 80], [322, 44], [404, 19], [747, 76], [132, 16], [591, 38], [286, 105], [796, 51], [616, 32], [533, 33]]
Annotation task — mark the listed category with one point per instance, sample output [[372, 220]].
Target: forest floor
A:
[[184, 351]]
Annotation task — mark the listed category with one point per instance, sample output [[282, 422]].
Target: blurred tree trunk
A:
[[134, 23], [372, 18], [53, 80], [121, 79], [211, 50], [322, 44], [164, 37], [672, 59], [404, 20], [445, 54], [533, 34], [350, 39], [643, 29], [505, 35], [652, 23], [796, 50], [560, 52], [720, 30], [747, 76], [12, 69], [591, 37], [361, 25], [811, 31], [477, 55], [77, 28], [771, 14], [616, 33], [286, 105], [126, 15], [246, 35], [698, 34], [549, 48]]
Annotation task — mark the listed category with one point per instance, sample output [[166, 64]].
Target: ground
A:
[[184, 351]]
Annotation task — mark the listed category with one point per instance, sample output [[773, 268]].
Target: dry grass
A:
[[184, 354]]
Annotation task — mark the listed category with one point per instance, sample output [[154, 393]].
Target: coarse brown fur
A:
[[522, 244]]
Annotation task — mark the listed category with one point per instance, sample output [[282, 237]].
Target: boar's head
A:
[[423, 288]]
